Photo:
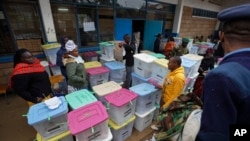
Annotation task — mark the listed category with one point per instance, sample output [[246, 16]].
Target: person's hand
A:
[[120, 44], [155, 83], [39, 99]]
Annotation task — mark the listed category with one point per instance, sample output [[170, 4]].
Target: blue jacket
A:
[[226, 97], [59, 56]]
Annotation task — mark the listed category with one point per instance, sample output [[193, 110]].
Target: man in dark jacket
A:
[[226, 93], [129, 48], [59, 56]]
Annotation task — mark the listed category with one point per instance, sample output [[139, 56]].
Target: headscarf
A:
[[185, 40], [24, 68], [70, 45]]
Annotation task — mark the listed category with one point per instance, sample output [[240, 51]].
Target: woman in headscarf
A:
[[29, 78], [207, 63], [75, 69]]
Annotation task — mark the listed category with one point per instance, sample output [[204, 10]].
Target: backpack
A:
[[173, 120]]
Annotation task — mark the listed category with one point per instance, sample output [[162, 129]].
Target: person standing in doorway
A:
[[157, 43], [129, 48], [226, 89]]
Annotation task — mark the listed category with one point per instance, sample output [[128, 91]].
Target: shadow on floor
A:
[[13, 125]]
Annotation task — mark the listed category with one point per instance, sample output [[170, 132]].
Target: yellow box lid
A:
[[51, 46], [106, 88], [92, 64], [55, 138], [117, 127], [193, 57], [147, 52], [162, 62]]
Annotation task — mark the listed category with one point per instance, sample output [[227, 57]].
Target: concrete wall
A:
[[195, 26]]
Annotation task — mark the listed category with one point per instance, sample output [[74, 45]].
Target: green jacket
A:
[[76, 73], [179, 51]]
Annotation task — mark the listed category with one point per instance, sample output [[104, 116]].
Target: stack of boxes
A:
[[50, 51], [90, 56], [50, 123], [191, 64], [89, 122], [147, 67], [107, 52], [117, 71], [145, 105], [121, 106]]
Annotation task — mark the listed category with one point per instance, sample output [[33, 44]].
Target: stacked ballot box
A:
[[107, 50], [145, 105], [121, 107], [89, 122], [191, 64], [117, 71], [143, 64], [49, 121]]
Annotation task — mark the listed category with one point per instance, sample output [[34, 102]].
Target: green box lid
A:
[[158, 55], [80, 98]]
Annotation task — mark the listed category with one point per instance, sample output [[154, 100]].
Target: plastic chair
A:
[[3, 90], [5, 87]]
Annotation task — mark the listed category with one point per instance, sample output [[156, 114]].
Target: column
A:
[[47, 20], [177, 18]]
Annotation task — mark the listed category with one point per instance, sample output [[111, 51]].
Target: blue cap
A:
[[235, 13]]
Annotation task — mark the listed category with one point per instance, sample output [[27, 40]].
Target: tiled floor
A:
[[14, 127]]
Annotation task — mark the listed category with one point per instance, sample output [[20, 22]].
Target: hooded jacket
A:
[[173, 85]]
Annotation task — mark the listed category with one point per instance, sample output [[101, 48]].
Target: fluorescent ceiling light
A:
[[63, 9]]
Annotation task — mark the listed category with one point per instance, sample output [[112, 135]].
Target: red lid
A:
[[97, 70], [86, 117]]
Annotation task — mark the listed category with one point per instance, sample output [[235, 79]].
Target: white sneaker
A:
[[154, 127]]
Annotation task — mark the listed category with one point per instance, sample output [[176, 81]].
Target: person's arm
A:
[[156, 46], [71, 73], [178, 88], [218, 108], [21, 85], [129, 48], [59, 58]]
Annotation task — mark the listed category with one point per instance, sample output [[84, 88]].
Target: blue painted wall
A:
[[152, 28]]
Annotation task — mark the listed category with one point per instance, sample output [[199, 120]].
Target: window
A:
[[6, 44], [106, 24], [204, 13], [64, 21], [134, 4], [87, 26], [25, 24]]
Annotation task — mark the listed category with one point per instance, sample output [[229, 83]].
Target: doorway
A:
[[138, 25]]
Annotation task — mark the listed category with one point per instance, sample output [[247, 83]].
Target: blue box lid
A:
[[114, 65], [143, 89], [140, 77], [187, 62], [40, 112]]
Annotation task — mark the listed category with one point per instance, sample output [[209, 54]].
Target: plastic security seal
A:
[[53, 103]]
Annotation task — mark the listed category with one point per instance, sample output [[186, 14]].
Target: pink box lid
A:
[[90, 54], [120, 97], [86, 117], [97, 70]]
